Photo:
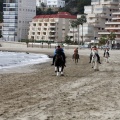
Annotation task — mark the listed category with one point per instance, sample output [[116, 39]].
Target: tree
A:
[[73, 25], [80, 21], [27, 42], [83, 19], [39, 11], [49, 11], [43, 6], [103, 40], [111, 37], [67, 40]]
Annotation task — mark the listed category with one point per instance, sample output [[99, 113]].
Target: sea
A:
[[16, 59]]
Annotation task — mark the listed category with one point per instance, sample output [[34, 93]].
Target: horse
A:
[[75, 57], [59, 64], [94, 61], [106, 55]]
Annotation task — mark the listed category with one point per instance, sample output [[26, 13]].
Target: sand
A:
[[35, 92]]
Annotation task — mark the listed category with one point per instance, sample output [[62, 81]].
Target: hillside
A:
[[72, 6]]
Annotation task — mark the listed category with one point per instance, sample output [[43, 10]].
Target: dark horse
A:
[[59, 64], [75, 57]]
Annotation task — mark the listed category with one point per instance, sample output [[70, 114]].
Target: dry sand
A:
[[81, 94]]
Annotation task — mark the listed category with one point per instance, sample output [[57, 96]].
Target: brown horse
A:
[[75, 57]]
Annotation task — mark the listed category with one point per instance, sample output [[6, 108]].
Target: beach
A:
[[35, 92]]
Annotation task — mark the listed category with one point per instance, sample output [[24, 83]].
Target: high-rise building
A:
[[16, 17], [97, 14]]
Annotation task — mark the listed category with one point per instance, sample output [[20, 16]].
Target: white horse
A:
[[106, 55], [94, 61]]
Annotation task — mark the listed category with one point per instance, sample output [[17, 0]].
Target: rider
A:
[[59, 51], [106, 50], [96, 51], [76, 51]]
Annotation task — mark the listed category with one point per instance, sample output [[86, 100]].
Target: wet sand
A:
[[81, 94]]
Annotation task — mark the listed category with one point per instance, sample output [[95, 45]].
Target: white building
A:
[[51, 3], [55, 3], [50, 27], [113, 26], [38, 2], [99, 12], [16, 17]]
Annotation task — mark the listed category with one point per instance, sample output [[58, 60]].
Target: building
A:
[[16, 17], [50, 27], [1, 26], [51, 3], [38, 2], [113, 26], [100, 12], [55, 3]]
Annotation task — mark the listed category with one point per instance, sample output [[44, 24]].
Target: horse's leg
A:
[[77, 60], [62, 70], [95, 65], [57, 70], [107, 60], [92, 64]]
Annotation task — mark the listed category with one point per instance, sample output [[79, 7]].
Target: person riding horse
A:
[[96, 51], [106, 51], [75, 55], [59, 51]]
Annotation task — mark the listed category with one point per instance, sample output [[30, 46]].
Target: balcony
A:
[[70, 34], [52, 26], [92, 21], [110, 2], [112, 23], [88, 34], [93, 15], [96, 25], [103, 16], [112, 28]]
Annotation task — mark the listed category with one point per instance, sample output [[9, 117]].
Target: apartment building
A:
[[16, 17], [51, 3], [99, 12], [113, 26], [50, 27], [1, 26]]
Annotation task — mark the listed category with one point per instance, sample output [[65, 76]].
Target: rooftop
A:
[[58, 15]]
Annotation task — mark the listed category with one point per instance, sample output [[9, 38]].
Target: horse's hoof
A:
[[58, 74], [62, 74]]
